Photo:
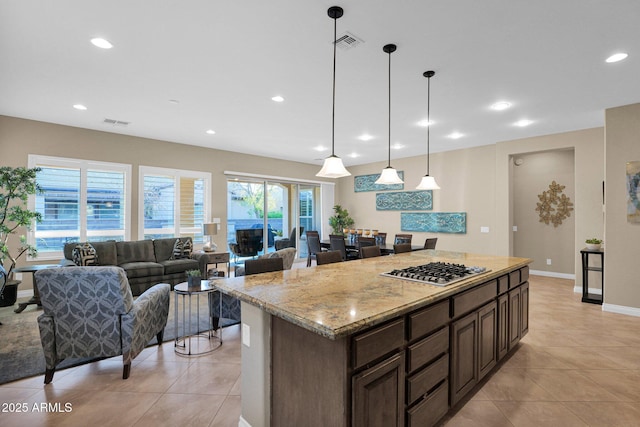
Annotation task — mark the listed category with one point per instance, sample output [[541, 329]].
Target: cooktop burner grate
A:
[[436, 273]]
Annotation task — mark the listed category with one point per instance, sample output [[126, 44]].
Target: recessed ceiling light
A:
[[500, 105], [277, 98], [365, 137], [320, 148], [174, 101], [79, 107], [353, 155], [522, 123], [455, 135], [617, 57], [211, 132], [425, 123], [101, 43], [397, 146]]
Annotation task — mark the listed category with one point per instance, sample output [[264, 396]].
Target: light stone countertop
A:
[[336, 300]]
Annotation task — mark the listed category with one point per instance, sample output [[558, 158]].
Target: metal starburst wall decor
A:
[[554, 207]]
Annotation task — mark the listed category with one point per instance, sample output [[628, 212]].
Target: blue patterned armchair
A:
[[90, 312]]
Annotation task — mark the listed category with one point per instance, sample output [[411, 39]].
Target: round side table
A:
[[194, 338]]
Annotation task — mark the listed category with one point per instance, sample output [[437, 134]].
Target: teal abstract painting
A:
[[435, 222], [405, 201], [368, 183]]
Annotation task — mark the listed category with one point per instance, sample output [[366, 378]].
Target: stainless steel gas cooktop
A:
[[436, 273]]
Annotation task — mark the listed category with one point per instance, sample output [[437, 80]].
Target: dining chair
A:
[[401, 248], [336, 243], [328, 257], [313, 245], [430, 243], [366, 241], [369, 251], [402, 238], [263, 265], [381, 239]]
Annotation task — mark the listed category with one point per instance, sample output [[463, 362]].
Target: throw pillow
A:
[[182, 249], [84, 255]]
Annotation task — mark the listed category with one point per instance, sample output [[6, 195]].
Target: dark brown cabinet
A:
[[378, 394], [503, 326], [487, 338], [515, 330]]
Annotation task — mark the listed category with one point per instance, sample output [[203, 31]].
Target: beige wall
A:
[[19, 138], [467, 181], [622, 239], [534, 239]]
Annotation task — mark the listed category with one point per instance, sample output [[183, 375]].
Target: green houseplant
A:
[[593, 244], [16, 185], [340, 220], [194, 278]]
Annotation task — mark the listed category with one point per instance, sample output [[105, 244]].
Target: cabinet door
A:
[[487, 338], [514, 317], [524, 309], [503, 326], [378, 394], [464, 356]]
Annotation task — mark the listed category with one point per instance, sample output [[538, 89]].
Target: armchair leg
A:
[[309, 260], [48, 375], [126, 370], [160, 336]]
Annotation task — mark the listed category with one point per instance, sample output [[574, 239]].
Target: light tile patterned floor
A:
[[578, 366]]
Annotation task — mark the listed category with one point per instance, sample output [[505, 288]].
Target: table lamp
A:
[[208, 230]]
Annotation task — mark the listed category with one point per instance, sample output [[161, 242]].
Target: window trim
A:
[[36, 160], [176, 173]]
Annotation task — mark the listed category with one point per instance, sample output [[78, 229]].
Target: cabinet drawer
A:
[[377, 342], [430, 410], [474, 298], [419, 384], [514, 279], [214, 258], [428, 320], [503, 284], [524, 274], [428, 349]]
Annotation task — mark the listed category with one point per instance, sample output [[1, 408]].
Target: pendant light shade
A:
[[333, 167], [428, 182], [389, 175]]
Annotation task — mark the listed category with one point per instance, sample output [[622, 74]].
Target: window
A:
[[82, 200], [174, 203]]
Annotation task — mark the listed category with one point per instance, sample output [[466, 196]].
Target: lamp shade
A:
[[428, 183], [210, 229], [389, 176], [333, 168]]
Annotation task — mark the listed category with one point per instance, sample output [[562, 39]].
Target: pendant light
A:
[[389, 175], [333, 167], [428, 182]]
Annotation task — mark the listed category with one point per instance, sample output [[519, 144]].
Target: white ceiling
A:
[[224, 60]]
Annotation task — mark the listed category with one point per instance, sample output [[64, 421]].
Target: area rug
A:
[[21, 353]]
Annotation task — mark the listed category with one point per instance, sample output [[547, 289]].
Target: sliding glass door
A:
[[277, 213]]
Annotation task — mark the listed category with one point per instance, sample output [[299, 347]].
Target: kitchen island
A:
[[341, 345]]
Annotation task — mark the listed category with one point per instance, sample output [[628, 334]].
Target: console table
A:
[[586, 268]]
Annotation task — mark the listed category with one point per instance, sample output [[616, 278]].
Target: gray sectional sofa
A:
[[146, 262]]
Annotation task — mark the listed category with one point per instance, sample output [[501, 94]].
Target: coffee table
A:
[[203, 340]]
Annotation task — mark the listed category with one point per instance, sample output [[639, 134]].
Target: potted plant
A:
[[341, 220], [593, 244], [16, 185], [194, 278]]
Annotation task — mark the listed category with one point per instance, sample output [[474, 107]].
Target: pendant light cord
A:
[[428, 118], [333, 111], [389, 118]]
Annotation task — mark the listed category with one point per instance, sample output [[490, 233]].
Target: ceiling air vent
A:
[[114, 122], [348, 41]]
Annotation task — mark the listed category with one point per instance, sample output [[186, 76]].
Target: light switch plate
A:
[[515, 228], [484, 229], [246, 335]]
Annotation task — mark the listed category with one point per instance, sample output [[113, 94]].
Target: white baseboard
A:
[[243, 423], [621, 309], [25, 293], [553, 274]]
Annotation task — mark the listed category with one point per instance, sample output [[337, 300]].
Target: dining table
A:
[[385, 249]]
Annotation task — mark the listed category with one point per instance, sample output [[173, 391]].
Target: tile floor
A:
[[578, 366]]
